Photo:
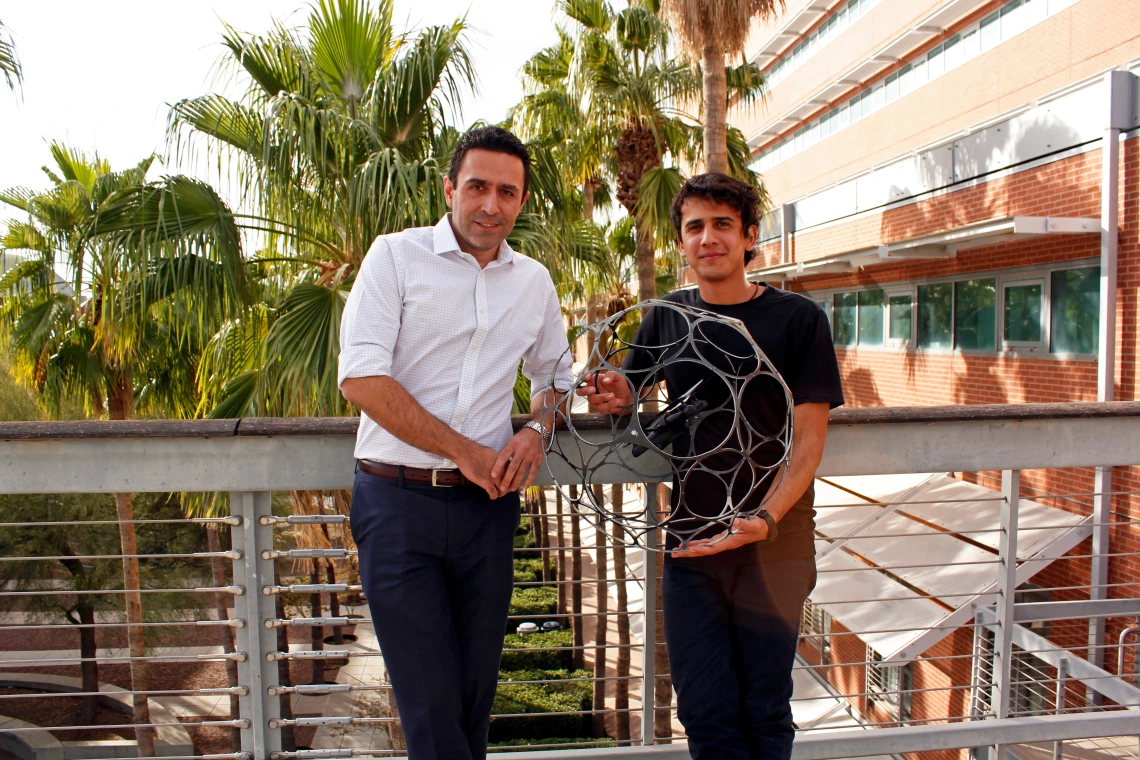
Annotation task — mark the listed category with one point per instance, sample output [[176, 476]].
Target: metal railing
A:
[[886, 643]]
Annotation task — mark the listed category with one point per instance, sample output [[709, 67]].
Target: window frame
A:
[[1046, 313], [1011, 276], [912, 294]]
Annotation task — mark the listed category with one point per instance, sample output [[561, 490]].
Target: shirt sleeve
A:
[[370, 324], [816, 379], [549, 357]]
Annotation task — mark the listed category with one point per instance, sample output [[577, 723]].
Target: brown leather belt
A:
[[448, 478]]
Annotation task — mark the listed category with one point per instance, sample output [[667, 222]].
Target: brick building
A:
[[957, 184]]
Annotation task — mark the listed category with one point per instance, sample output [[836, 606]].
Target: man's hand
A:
[[607, 393], [744, 531], [517, 464], [476, 465]]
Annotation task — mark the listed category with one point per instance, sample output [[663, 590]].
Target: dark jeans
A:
[[436, 567], [731, 633]]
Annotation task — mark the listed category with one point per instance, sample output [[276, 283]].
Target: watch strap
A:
[[773, 533]]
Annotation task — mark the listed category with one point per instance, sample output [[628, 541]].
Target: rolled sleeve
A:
[[371, 320], [548, 361]]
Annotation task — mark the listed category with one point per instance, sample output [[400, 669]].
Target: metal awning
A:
[[795, 25], [883, 58], [898, 535], [941, 245]]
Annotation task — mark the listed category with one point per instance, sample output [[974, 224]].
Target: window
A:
[[935, 315], [889, 687], [900, 309], [1075, 311], [1022, 323], [1013, 18], [843, 319], [815, 630], [825, 305], [974, 315], [871, 318]]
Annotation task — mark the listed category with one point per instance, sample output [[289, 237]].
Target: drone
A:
[[700, 439]]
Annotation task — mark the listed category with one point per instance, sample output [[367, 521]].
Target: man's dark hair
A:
[[494, 139], [720, 188]]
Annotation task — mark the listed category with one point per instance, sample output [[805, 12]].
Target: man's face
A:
[[485, 199], [713, 239]]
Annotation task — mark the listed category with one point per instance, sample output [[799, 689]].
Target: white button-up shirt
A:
[[452, 334]]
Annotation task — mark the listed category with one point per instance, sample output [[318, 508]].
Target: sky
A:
[[101, 75]]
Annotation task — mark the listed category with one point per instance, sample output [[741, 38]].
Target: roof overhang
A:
[[941, 245]]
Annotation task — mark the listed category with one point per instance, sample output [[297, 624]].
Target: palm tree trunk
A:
[[544, 524], [621, 686], [89, 668], [334, 603], [646, 266], [716, 104], [218, 573], [663, 685], [637, 152], [563, 606], [120, 406], [576, 583], [588, 199], [288, 741], [600, 621], [316, 632]]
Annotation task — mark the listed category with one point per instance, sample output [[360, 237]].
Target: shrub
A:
[[530, 570], [552, 659], [559, 697], [535, 603]]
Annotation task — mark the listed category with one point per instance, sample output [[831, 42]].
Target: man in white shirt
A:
[[437, 323]]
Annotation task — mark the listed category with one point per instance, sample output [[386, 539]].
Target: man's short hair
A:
[[723, 189], [494, 139]]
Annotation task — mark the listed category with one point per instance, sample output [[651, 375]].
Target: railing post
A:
[[649, 620], [1059, 707], [253, 572], [1007, 589]]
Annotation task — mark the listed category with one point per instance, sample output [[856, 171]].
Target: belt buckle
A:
[[434, 481]]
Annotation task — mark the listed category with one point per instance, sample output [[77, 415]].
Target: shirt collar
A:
[[443, 241]]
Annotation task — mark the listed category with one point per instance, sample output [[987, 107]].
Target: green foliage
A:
[[534, 601], [75, 542], [529, 569], [15, 402], [558, 657], [564, 697]]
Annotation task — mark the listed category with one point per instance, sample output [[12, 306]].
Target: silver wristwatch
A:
[[539, 428]]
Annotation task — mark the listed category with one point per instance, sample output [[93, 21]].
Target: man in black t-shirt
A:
[[733, 599]]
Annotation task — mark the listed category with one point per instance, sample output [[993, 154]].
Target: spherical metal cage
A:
[[723, 440]]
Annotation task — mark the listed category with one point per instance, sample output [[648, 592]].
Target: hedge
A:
[[562, 697], [530, 570], [557, 659]]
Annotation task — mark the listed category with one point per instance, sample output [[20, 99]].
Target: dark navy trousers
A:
[[436, 565], [731, 634]]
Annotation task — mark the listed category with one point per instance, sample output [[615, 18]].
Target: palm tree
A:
[[709, 30], [9, 61], [609, 93], [154, 268]]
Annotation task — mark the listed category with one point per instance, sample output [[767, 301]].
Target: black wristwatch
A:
[[766, 516]]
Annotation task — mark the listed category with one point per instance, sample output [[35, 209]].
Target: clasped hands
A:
[[501, 472]]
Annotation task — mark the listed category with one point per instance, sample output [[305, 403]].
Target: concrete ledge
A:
[[170, 740]]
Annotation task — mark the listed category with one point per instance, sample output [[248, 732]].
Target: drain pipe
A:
[[1118, 91]]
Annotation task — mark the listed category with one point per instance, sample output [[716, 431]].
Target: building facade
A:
[[956, 183]]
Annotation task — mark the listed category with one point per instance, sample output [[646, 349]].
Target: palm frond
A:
[[10, 65], [350, 44]]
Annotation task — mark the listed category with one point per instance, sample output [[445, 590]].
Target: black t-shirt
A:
[[794, 334]]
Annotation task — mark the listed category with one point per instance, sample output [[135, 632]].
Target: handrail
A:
[[323, 426]]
